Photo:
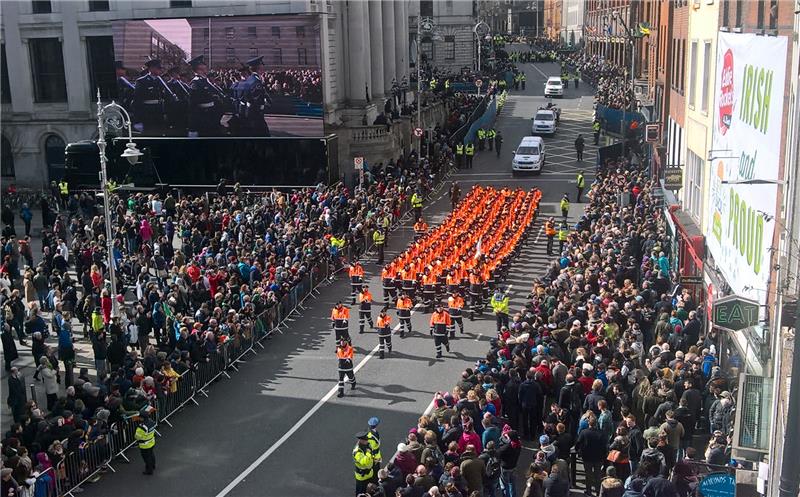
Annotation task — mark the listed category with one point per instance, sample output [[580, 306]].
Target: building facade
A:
[[57, 54], [451, 46], [572, 15]]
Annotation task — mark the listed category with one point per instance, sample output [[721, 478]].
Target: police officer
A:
[[340, 321], [63, 191], [124, 86], [379, 239], [581, 183], [150, 96], [145, 435], [205, 102], [470, 151], [499, 303], [344, 356], [564, 205], [364, 309], [416, 204], [579, 146], [364, 462], [490, 138], [550, 232], [384, 333], [498, 142], [356, 273], [563, 231], [440, 322], [596, 131], [522, 79], [455, 307], [481, 139], [459, 155], [404, 305], [253, 101], [374, 439]]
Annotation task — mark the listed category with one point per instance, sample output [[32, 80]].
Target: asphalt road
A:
[[276, 428]]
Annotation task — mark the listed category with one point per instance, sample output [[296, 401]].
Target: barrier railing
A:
[[86, 462], [41, 484]]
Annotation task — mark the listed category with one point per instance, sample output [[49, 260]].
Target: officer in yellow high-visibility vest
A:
[[364, 462], [564, 205], [481, 139], [459, 155], [63, 190], [581, 183], [563, 231], [522, 80], [499, 303], [596, 131], [374, 439], [145, 435], [433, 84], [416, 204], [379, 239], [470, 151], [490, 138], [447, 85]]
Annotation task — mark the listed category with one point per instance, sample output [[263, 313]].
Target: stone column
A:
[[401, 39], [358, 52], [376, 52], [389, 41], [75, 61]]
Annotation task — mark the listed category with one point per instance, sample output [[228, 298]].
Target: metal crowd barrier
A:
[[43, 485]]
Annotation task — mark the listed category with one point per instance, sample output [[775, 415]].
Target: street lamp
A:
[[116, 116], [481, 29]]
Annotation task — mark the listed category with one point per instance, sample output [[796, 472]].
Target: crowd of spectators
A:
[[611, 82], [303, 83], [606, 362], [193, 272]]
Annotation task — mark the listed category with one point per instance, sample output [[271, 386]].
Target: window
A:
[[47, 63], [706, 76], [277, 56], [42, 6], [7, 159], [54, 156], [760, 14], [682, 80], [253, 52], [230, 55], [5, 90], [693, 75], [180, 4], [230, 33], [693, 201], [252, 32], [739, 13], [426, 8], [726, 7], [773, 14], [302, 57], [100, 52], [98, 5], [205, 33], [300, 31], [276, 31], [450, 47]]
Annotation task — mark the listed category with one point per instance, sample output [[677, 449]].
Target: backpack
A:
[[493, 468]]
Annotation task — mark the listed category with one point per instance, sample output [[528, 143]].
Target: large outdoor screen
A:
[[241, 76]]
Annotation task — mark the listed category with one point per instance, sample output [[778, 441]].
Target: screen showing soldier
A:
[[239, 76]]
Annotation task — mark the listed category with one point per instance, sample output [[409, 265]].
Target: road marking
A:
[[478, 338], [540, 71], [271, 450], [539, 235]]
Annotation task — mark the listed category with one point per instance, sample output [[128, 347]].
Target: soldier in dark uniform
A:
[[205, 104], [252, 101], [150, 96], [177, 110], [124, 87]]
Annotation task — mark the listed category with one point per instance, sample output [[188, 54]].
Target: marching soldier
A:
[[205, 102], [499, 305], [384, 332], [145, 435], [124, 86], [374, 439], [379, 239], [253, 101], [364, 309], [563, 231], [340, 321], [387, 282], [455, 306], [356, 280], [416, 204], [150, 96], [550, 232], [409, 280], [470, 150], [440, 322], [344, 355], [428, 289], [177, 110], [404, 305], [475, 294], [420, 228], [364, 462]]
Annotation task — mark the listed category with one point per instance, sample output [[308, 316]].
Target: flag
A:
[[478, 249], [644, 29]]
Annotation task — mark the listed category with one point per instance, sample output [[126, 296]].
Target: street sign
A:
[[691, 280], [717, 485], [734, 312], [418, 132], [652, 132], [358, 163], [673, 177]]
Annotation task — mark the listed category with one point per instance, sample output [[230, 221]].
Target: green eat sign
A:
[[735, 313]]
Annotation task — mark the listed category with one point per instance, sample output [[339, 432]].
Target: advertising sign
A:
[[748, 108], [718, 485]]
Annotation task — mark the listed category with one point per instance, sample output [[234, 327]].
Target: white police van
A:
[[529, 155]]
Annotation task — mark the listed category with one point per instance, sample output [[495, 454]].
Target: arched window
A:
[[54, 155], [7, 162]]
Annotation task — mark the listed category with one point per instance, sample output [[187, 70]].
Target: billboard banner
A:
[[748, 110], [241, 76]]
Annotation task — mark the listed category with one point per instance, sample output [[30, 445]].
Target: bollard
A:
[[33, 393]]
